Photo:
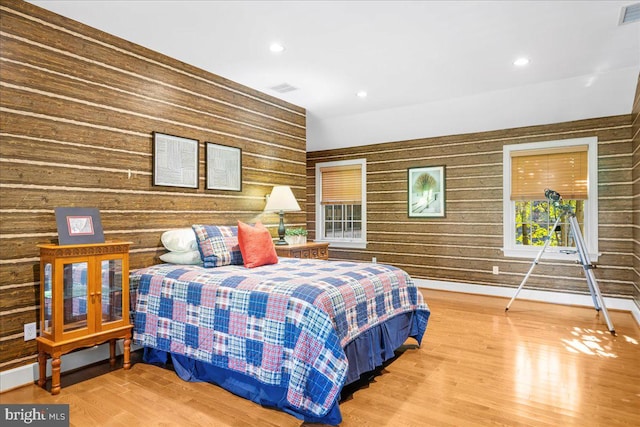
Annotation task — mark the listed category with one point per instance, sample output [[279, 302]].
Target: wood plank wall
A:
[[464, 246], [78, 109], [636, 194]]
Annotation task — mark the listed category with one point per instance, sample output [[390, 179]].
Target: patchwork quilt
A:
[[284, 324]]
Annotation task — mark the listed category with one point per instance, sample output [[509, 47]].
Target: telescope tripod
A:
[[583, 258]]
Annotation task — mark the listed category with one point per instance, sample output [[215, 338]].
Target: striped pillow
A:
[[218, 245]]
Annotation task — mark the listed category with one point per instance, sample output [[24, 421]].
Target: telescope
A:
[[552, 195], [555, 199], [581, 250]]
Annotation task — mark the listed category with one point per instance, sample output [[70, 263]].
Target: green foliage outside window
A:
[[534, 219]]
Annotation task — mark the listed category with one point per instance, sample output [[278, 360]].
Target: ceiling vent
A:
[[630, 14], [284, 88]]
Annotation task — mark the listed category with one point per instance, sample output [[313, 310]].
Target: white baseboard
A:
[[23, 375], [623, 304], [29, 374]]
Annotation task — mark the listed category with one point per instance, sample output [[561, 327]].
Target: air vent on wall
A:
[[630, 14], [284, 88]]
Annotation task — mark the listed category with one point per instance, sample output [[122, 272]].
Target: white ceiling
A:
[[430, 68]]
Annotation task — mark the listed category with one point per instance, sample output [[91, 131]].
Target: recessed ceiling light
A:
[[276, 47], [521, 62], [362, 94]]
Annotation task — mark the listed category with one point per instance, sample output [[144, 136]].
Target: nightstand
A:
[[309, 250]]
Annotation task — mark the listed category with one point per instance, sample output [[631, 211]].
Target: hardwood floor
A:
[[539, 365]]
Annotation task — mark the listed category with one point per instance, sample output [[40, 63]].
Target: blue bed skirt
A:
[[365, 353]]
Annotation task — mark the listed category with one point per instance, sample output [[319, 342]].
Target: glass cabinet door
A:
[[45, 328], [111, 278], [75, 295]]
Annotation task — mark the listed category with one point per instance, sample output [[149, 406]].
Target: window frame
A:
[[590, 232], [359, 243]]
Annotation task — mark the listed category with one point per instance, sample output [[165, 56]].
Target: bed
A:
[[288, 335]]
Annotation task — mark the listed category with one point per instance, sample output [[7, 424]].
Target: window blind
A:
[[563, 170], [341, 185]]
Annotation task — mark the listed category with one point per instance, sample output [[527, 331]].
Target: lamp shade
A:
[[281, 199]]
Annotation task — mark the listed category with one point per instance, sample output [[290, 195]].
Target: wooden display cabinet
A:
[[84, 301], [309, 250]]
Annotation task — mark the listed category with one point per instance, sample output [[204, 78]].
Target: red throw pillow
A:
[[256, 245]]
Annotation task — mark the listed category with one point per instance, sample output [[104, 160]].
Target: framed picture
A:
[[224, 167], [78, 226], [175, 161], [426, 192]]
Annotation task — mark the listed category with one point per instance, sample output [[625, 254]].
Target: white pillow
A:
[[189, 258], [180, 240]]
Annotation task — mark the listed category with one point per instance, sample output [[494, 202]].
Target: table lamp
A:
[[281, 200]]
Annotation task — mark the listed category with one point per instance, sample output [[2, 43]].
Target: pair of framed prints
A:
[[176, 163]]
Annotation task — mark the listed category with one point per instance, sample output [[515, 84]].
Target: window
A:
[[341, 201], [568, 167]]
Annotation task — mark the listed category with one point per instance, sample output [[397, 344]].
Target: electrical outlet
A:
[[496, 270], [374, 260], [30, 331]]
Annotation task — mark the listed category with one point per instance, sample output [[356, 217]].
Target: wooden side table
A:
[[309, 250]]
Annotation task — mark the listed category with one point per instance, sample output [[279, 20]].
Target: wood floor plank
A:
[[537, 365]]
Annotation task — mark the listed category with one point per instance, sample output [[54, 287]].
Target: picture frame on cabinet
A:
[[78, 226], [175, 161], [426, 192]]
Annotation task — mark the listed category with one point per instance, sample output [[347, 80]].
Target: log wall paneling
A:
[[636, 194], [466, 244], [78, 109]]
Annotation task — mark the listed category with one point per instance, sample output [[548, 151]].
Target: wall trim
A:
[[622, 304], [28, 374]]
